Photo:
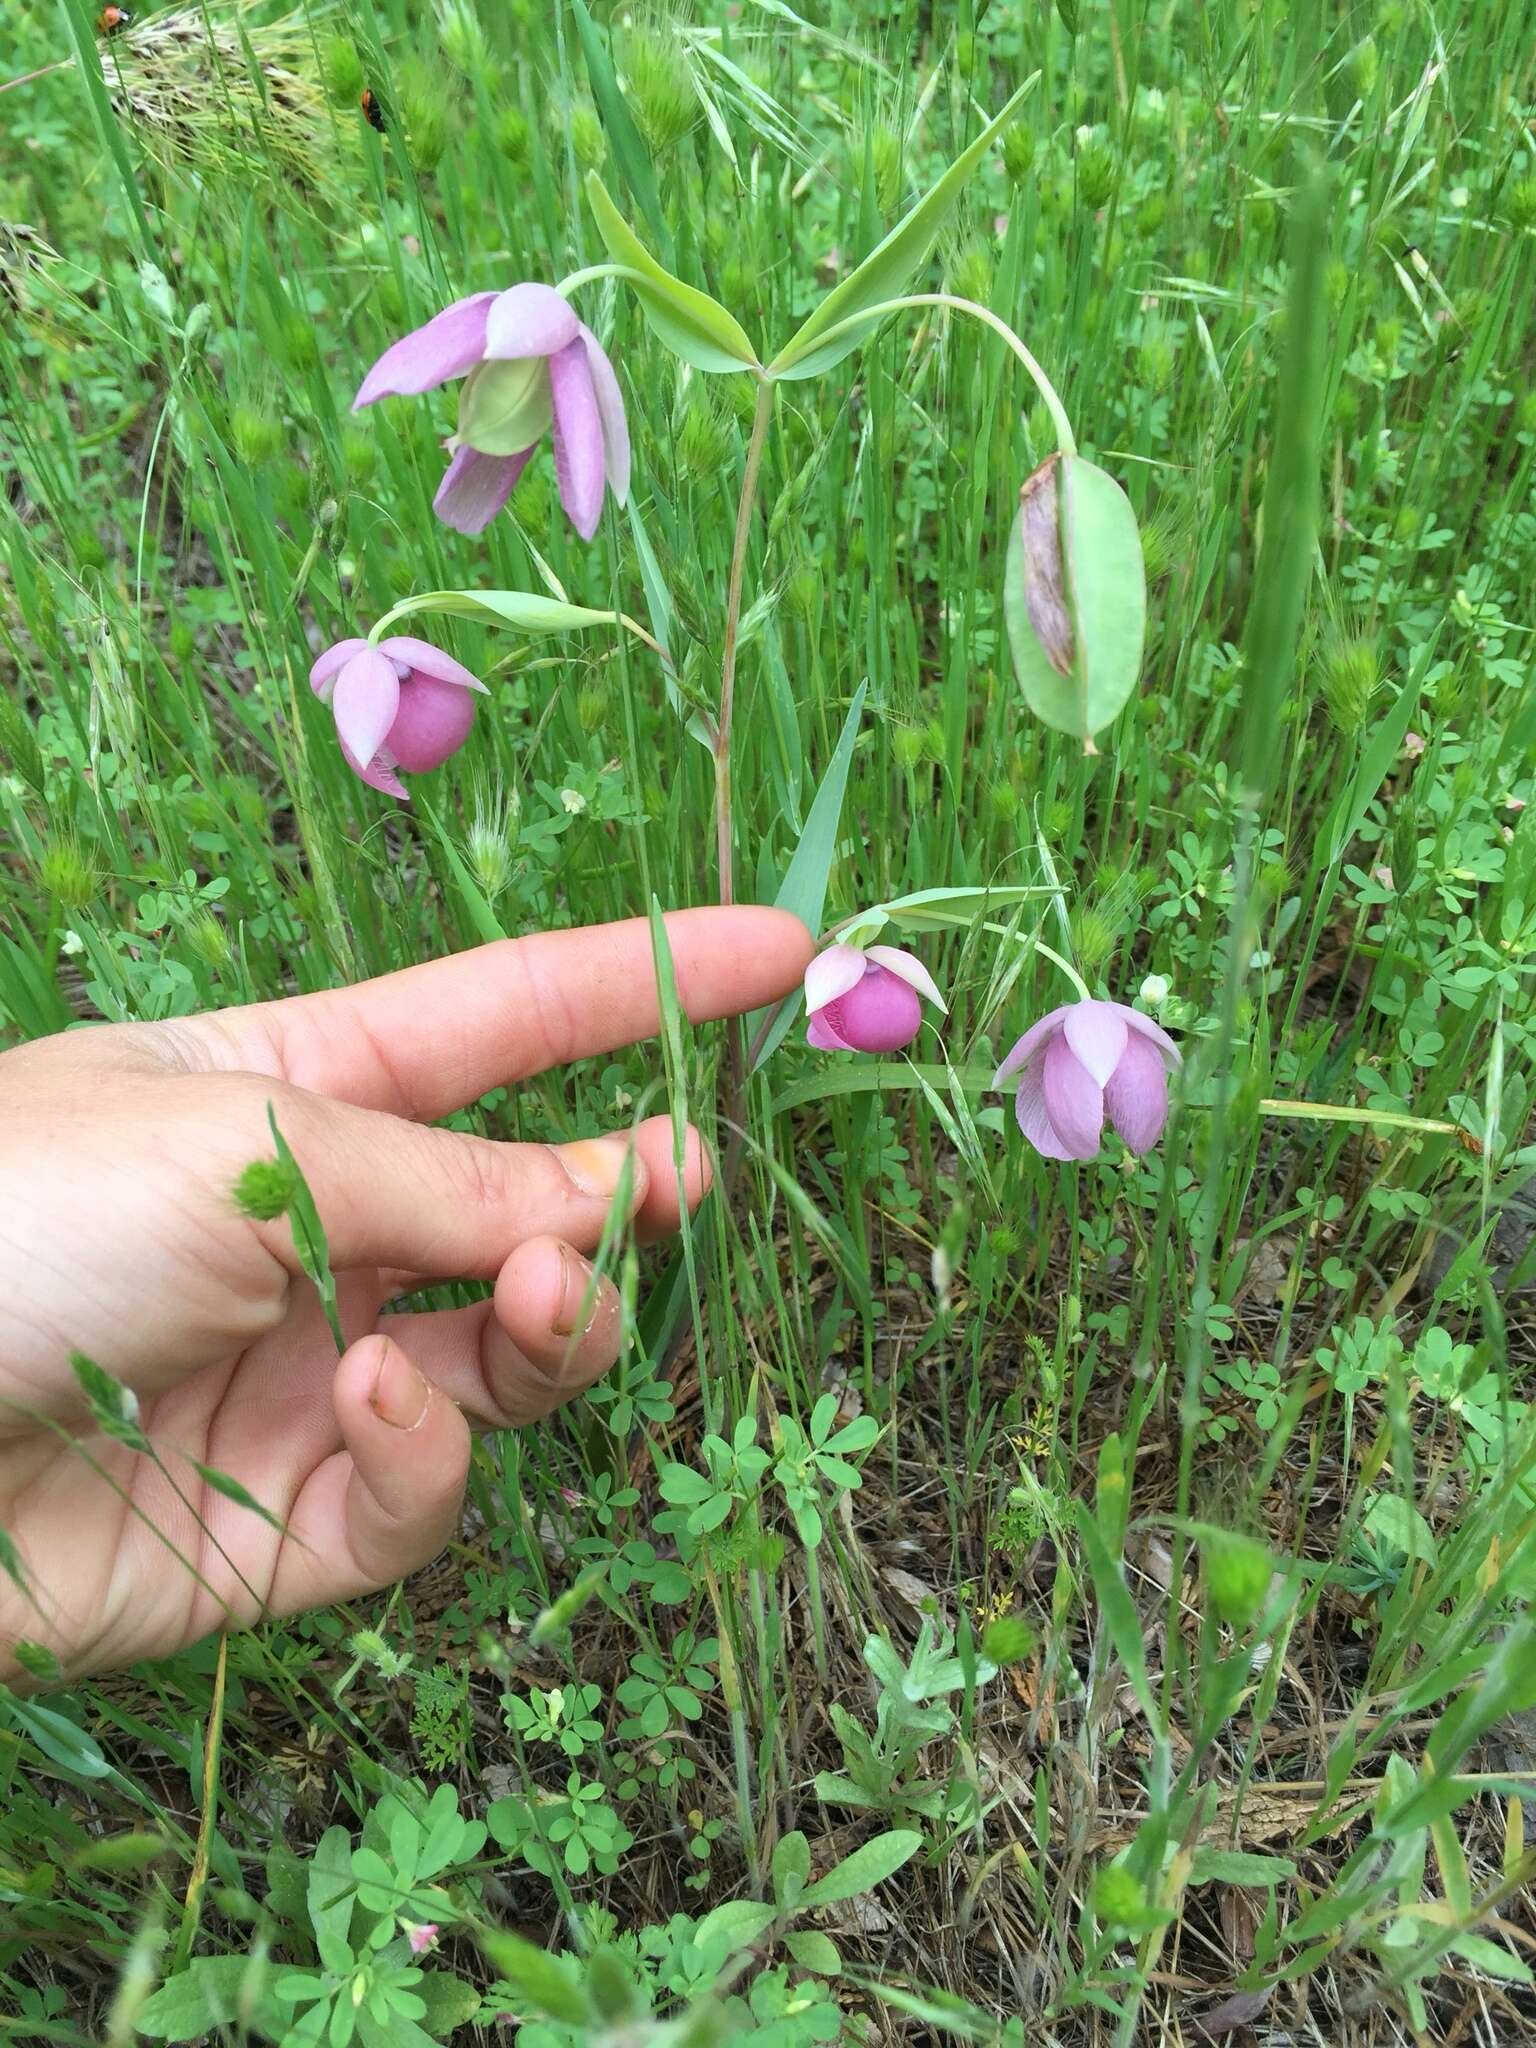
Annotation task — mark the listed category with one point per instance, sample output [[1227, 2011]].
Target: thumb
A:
[[388, 1503]]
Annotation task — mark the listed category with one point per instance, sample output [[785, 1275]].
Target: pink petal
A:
[[610, 410], [1026, 1048], [365, 701], [329, 665], [379, 774], [433, 722], [819, 1032], [1034, 1119], [578, 437], [1136, 1095], [475, 487], [528, 320], [912, 971], [1171, 1055], [831, 974], [450, 344], [1074, 1101], [1097, 1033], [423, 659]]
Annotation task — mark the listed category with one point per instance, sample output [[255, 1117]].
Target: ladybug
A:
[[369, 103], [112, 20]]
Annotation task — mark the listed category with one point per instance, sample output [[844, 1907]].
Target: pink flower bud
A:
[[866, 1001], [400, 705]]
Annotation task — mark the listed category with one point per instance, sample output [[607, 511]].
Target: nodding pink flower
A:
[[1084, 1062], [422, 1936], [530, 368], [866, 1001], [399, 705]]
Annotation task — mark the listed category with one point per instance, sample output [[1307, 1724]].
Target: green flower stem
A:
[[1066, 440], [593, 272], [409, 607], [761, 417], [1085, 994]]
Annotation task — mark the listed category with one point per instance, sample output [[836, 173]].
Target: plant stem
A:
[[1085, 994], [1066, 440], [760, 418]]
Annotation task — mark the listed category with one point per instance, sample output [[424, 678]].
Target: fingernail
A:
[[578, 1297], [597, 1165], [400, 1394]]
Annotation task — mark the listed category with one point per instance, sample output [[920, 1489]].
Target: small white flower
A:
[[1154, 991], [574, 801], [71, 944]]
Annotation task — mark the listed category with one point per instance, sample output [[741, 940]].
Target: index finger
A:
[[433, 1038]]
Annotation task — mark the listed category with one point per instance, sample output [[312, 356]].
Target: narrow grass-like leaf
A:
[[309, 1240], [868, 1866], [804, 888], [629, 151], [887, 270]]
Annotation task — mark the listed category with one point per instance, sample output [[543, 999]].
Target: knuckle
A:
[[551, 1018]]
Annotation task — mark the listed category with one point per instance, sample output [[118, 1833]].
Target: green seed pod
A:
[[1118, 1896], [702, 437], [1003, 800], [490, 856], [1095, 175], [1350, 679], [68, 872], [342, 69], [1521, 204], [1364, 67], [207, 940], [592, 702], [661, 90], [258, 438], [971, 277], [426, 126], [514, 138], [463, 39], [802, 593], [300, 349], [359, 455], [1094, 934], [907, 746], [1004, 1240], [1008, 1640], [587, 138], [1157, 359], [1018, 152], [1238, 1570], [1404, 845], [265, 1190], [885, 154], [1150, 215], [1075, 596]]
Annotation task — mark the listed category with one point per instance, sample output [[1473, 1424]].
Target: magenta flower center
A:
[[880, 1013]]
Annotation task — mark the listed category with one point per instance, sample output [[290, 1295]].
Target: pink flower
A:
[[422, 1937], [399, 705], [1083, 1062], [1413, 745], [530, 368], [866, 1001]]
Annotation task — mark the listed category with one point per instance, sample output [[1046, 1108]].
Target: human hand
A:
[[119, 1151]]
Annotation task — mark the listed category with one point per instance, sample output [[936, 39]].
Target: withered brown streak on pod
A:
[[1044, 593]]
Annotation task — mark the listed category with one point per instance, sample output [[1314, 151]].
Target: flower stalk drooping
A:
[[866, 1001]]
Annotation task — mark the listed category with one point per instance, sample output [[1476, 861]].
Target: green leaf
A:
[[613, 110], [212, 1991], [738, 1921], [449, 2002], [887, 270], [864, 1869], [231, 1489], [1117, 1610], [791, 1868], [1487, 1956], [1075, 596], [71, 1748], [813, 1951], [309, 1239], [804, 888], [483, 918], [689, 322], [1381, 750], [1236, 1866], [549, 1983], [528, 610], [330, 1896], [114, 1407]]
